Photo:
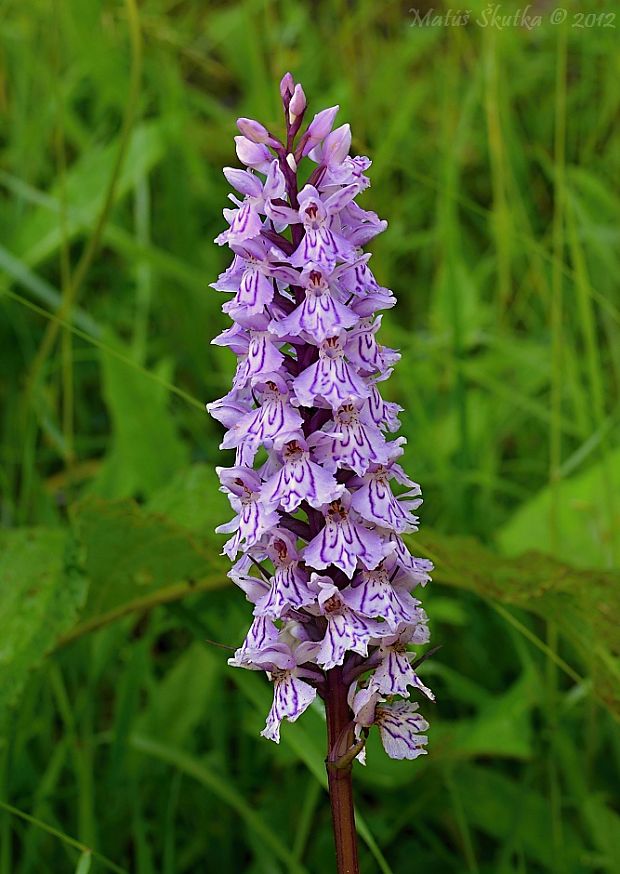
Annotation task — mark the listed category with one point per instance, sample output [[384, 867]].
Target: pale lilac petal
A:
[[363, 702], [414, 570], [320, 315], [371, 594], [274, 417], [339, 199], [343, 541], [263, 356], [300, 479], [230, 278], [288, 590], [349, 172], [255, 588], [230, 408], [330, 378], [394, 675], [383, 413], [350, 443], [365, 306], [400, 725], [255, 290], [275, 184], [280, 214], [262, 633], [319, 128], [374, 501], [336, 146], [254, 516], [246, 183], [346, 632], [245, 223], [364, 351], [254, 155], [235, 338], [322, 246], [291, 697]]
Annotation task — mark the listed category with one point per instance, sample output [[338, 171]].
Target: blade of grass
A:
[[84, 862], [555, 436], [225, 791], [105, 347], [66, 839]]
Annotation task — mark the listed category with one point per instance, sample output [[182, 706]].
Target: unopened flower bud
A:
[[287, 87], [297, 104], [319, 127], [253, 130], [336, 145], [254, 155]]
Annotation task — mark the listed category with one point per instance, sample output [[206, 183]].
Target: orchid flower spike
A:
[[322, 505]]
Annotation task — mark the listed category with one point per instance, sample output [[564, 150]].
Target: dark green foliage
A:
[[122, 728]]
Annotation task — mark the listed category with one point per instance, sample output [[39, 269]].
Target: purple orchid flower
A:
[[331, 378], [251, 276], [245, 221], [253, 518], [344, 540], [394, 673], [399, 723], [346, 631], [289, 586], [300, 479], [375, 502], [372, 594], [320, 244], [322, 315], [291, 694]]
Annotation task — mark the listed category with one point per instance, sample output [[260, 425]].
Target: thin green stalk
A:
[[65, 264], [92, 246], [500, 214], [79, 275], [555, 454], [109, 350], [461, 821], [5, 820], [66, 839], [595, 371], [306, 817], [144, 273]]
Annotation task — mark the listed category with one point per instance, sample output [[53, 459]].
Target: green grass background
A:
[[495, 160]]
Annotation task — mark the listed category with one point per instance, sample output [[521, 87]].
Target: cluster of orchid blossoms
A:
[[317, 536]]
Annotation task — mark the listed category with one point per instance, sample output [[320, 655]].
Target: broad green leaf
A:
[[510, 812], [192, 499], [584, 604], [41, 590], [223, 789], [584, 530], [136, 560], [502, 726], [40, 235], [145, 449], [605, 826], [180, 701]]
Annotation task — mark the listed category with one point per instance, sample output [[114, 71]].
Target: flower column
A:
[[317, 532]]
